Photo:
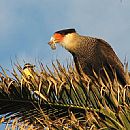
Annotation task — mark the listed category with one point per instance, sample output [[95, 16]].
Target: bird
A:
[[90, 54], [28, 72]]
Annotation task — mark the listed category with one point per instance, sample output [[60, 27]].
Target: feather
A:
[[92, 55]]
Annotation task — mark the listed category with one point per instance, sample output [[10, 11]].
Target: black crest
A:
[[28, 65], [66, 31]]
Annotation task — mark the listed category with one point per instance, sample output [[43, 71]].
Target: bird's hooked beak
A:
[[52, 43]]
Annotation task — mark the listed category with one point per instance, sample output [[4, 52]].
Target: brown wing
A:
[[112, 59]]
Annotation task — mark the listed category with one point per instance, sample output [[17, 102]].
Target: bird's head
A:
[[59, 37], [28, 65], [28, 71]]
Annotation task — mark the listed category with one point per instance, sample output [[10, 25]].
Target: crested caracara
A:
[[90, 54]]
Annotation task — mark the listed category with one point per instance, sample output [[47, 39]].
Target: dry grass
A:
[[62, 99]]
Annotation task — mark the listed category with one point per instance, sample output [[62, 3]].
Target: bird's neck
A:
[[71, 42]]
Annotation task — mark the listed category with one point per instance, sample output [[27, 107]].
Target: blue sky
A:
[[27, 25]]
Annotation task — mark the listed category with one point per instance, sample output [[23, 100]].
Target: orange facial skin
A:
[[58, 37]]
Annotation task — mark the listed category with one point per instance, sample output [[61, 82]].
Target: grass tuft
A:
[[62, 99]]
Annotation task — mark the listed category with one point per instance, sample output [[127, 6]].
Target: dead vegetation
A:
[[62, 99]]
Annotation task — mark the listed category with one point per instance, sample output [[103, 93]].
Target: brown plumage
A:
[[90, 53]]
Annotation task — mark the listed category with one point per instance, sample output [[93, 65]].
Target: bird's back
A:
[[94, 54], [90, 54]]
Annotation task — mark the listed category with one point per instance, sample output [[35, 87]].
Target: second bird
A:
[[90, 54]]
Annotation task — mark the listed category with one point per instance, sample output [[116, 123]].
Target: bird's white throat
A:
[[69, 42]]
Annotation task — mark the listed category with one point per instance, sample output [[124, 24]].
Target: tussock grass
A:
[[62, 99]]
